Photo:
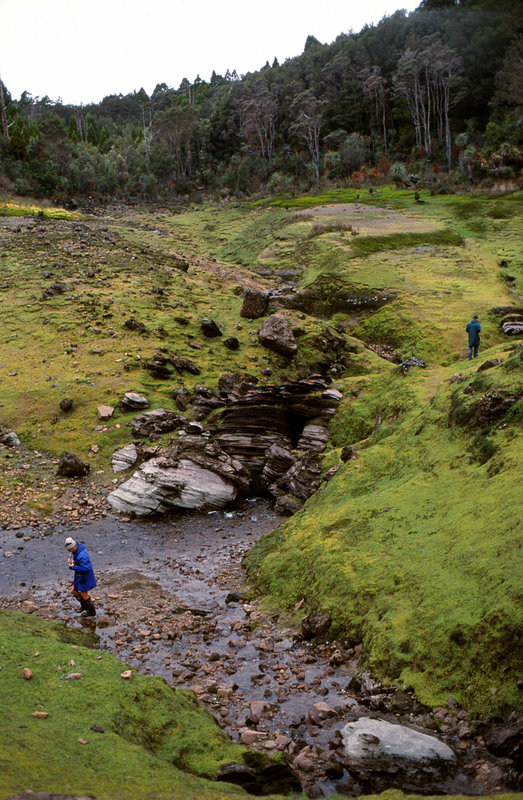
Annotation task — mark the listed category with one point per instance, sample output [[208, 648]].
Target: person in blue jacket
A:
[[84, 577], [473, 328]]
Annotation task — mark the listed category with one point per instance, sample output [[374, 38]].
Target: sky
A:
[[80, 51]]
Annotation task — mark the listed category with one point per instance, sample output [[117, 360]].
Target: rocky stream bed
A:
[[171, 602]]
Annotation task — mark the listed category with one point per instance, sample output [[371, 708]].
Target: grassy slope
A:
[[154, 735]]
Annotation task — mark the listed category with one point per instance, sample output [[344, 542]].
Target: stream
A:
[[169, 602]]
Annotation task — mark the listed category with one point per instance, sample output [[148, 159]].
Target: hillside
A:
[[411, 542]]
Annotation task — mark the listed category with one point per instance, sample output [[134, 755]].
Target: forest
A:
[[435, 95]]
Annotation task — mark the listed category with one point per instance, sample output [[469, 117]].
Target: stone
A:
[[209, 328], [288, 504], [255, 303], [182, 398], [276, 334], [135, 326], [156, 489], [381, 755], [348, 452], [491, 362], [314, 437], [315, 625], [320, 712], [151, 424], [126, 674], [66, 405], [231, 343], [27, 674], [71, 466], [105, 412], [10, 439], [54, 289], [132, 401], [40, 714], [124, 458]]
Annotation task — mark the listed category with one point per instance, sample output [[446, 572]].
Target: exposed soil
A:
[[171, 602]]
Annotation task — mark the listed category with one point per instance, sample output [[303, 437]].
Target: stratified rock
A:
[[124, 458], [132, 401], [182, 398], [151, 424], [71, 466], [157, 489], [381, 755], [276, 334], [160, 367], [255, 303], [278, 459], [303, 478], [287, 504], [313, 437], [210, 328]]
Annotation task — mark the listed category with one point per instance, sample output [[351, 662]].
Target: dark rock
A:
[[54, 289], [209, 328], [151, 424], [181, 320], [185, 365], [182, 398], [491, 362], [255, 303], [315, 625], [160, 367], [71, 466], [260, 775], [66, 404], [276, 334], [236, 384], [348, 452], [386, 352], [231, 343], [133, 325], [317, 302], [504, 737], [411, 361], [493, 405], [287, 504]]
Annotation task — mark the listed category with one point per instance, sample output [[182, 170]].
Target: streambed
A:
[[170, 603]]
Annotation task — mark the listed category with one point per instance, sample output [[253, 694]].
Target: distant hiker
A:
[[84, 578], [473, 328]]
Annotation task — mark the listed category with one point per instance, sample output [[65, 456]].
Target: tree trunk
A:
[[3, 114]]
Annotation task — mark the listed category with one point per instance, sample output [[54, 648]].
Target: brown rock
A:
[[127, 674], [27, 673], [40, 714], [105, 412]]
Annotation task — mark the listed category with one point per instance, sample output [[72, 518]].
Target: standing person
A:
[[84, 578], [473, 328]]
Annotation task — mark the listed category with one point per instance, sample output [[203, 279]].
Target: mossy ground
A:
[[157, 741], [429, 582]]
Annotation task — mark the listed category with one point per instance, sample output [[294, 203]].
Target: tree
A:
[[308, 111], [375, 88], [259, 115], [3, 113], [174, 129]]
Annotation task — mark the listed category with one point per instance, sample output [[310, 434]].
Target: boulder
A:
[[209, 328], [185, 365], [381, 755], [105, 412], [315, 624], [132, 401], [231, 343], [135, 326], [71, 466], [286, 504], [54, 289], [255, 303], [489, 363], [66, 405], [157, 489], [10, 439], [314, 436], [151, 424], [182, 398], [124, 458], [276, 334]]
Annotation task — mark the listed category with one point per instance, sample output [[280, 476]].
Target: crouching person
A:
[[84, 578]]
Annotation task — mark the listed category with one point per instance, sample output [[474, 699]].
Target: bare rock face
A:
[[124, 458], [381, 755], [276, 335], [71, 466], [156, 489], [255, 303]]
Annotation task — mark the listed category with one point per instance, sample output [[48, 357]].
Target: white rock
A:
[[370, 739], [124, 458]]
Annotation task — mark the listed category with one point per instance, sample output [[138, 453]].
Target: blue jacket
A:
[[84, 578], [473, 328]]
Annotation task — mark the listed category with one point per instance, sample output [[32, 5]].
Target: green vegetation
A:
[[156, 741]]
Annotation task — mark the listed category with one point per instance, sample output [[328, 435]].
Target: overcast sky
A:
[[82, 50]]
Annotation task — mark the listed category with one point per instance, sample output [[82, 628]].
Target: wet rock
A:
[[381, 755], [315, 625], [151, 424], [132, 401], [209, 328], [320, 712], [105, 412], [71, 466], [135, 326], [276, 334], [255, 303], [66, 405], [124, 458], [491, 362], [504, 737]]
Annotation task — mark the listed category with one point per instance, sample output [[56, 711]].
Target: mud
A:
[[171, 601]]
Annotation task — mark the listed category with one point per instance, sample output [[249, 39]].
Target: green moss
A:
[[154, 735]]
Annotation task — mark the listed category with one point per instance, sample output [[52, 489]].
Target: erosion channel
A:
[[171, 602]]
